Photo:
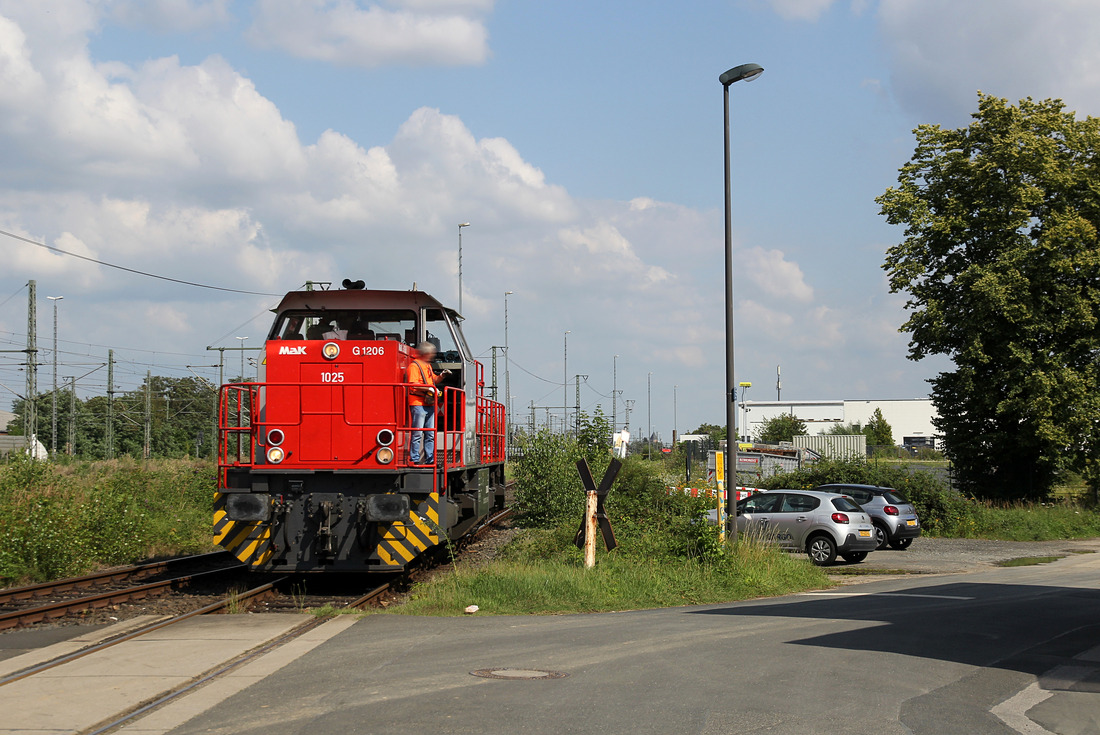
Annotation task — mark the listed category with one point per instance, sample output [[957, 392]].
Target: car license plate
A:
[[865, 534], [910, 523]]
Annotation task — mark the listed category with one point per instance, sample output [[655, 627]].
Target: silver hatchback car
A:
[[895, 518], [822, 524]]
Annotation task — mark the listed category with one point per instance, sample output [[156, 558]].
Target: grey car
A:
[[822, 524], [895, 518]]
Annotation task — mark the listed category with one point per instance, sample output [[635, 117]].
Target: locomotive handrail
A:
[[243, 430]]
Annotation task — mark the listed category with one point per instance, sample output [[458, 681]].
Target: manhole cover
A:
[[518, 674]]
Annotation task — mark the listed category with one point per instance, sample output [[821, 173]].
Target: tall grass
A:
[[524, 584], [667, 554], [59, 520]]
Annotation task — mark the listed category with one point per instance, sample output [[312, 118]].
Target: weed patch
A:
[[63, 520], [1028, 561]]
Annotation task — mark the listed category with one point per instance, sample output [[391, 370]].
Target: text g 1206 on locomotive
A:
[[315, 468]]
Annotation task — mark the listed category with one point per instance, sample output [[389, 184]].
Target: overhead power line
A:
[[132, 270]]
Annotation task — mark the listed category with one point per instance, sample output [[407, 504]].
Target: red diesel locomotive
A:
[[314, 462]]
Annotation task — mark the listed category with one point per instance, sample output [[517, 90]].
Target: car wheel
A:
[[821, 550], [901, 544], [882, 537], [854, 557]]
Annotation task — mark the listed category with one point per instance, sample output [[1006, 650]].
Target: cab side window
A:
[[437, 330]]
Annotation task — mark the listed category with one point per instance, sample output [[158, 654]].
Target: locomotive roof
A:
[[358, 299]]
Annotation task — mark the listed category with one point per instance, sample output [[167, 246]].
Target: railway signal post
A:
[[594, 512]]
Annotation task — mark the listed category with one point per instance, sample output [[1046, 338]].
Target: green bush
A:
[[62, 520], [647, 518]]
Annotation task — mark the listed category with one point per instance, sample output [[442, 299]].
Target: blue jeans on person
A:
[[423, 417]]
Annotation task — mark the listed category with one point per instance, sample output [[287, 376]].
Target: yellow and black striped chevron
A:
[[249, 541], [402, 541]]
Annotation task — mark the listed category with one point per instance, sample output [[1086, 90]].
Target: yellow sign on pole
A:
[[720, 478]]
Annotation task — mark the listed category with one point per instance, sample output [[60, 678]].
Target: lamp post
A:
[[614, 396], [460, 226], [507, 382], [744, 385], [675, 390], [649, 411], [53, 403], [242, 339], [746, 72], [565, 381]]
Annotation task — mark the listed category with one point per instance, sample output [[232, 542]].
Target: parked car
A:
[[822, 524], [895, 518]]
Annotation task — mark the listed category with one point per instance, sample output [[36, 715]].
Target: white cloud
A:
[[348, 33], [775, 275], [763, 318], [944, 51], [809, 10], [172, 16]]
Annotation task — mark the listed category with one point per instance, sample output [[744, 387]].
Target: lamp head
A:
[[747, 72], [745, 384], [463, 224]]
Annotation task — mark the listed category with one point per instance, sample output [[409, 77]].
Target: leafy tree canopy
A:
[[717, 433], [878, 431], [781, 428], [1001, 266]]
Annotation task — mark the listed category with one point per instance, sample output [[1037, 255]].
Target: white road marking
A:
[[1011, 711]]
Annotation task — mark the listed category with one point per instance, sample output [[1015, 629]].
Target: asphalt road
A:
[[998, 650]]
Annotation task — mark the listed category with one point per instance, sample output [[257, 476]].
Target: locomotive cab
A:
[[316, 468]]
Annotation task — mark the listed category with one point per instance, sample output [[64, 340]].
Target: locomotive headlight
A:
[[275, 455], [331, 350], [275, 437], [384, 455], [385, 437]]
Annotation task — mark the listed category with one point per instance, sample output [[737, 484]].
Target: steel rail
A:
[[52, 610], [15, 594], [157, 625]]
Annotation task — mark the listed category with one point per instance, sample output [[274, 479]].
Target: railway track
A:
[[255, 598], [21, 606]]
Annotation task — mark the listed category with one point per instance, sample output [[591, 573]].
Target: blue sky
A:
[[253, 145]]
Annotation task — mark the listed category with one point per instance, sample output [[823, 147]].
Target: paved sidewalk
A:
[[95, 689]]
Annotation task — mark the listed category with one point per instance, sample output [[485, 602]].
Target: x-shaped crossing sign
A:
[[601, 493]]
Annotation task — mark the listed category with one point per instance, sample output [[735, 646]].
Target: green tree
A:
[[1001, 266], [879, 433], [846, 429], [714, 431], [781, 428]]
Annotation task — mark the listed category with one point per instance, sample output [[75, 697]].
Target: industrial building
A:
[[909, 418]]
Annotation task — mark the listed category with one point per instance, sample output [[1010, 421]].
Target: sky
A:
[[255, 145]]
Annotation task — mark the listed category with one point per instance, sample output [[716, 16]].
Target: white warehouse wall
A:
[[907, 416]]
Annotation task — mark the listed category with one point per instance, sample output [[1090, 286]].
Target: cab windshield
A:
[[351, 324]]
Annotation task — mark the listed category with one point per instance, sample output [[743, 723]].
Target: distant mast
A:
[[778, 385]]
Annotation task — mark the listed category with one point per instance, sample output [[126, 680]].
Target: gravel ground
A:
[[955, 555]]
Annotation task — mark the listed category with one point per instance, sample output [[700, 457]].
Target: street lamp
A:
[[53, 403], [460, 226], [746, 72], [507, 382], [649, 410], [242, 339], [565, 381], [614, 396], [744, 385]]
